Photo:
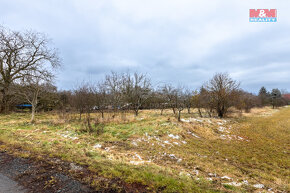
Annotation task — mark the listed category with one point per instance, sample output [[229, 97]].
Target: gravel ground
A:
[[25, 175], [10, 186]]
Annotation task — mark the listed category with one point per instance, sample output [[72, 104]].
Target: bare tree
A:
[[65, 100], [113, 83], [160, 100], [207, 101], [22, 54], [246, 101], [171, 96], [101, 98], [180, 101], [31, 88], [188, 100], [177, 99], [85, 101], [221, 89], [197, 102], [136, 90]]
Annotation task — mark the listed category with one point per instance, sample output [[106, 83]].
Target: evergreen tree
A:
[[263, 96], [276, 96]]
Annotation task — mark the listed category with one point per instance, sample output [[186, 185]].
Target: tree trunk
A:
[[209, 114], [273, 104], [173, 109], [188, 110], [220, 113], [179, 112], [5, 100], [199, 112], [89, 122], [33, 114], [136, 112]]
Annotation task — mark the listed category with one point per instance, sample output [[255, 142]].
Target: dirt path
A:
[[10, 186], [52, 175], [19, 175]]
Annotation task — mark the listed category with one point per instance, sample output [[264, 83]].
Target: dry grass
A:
[[162, 153]]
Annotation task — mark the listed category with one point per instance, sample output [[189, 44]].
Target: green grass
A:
[[168, 164]]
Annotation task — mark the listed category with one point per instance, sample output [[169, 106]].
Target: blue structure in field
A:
[[24, 106]]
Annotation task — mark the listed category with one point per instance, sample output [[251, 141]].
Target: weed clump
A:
[[92, 127]]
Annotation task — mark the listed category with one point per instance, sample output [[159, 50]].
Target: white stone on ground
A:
[[258, 186], [233, 184], [173, 136], [97, 146], [226, 178], [167, 142]]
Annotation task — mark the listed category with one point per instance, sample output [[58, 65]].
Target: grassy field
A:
[[246, 153]]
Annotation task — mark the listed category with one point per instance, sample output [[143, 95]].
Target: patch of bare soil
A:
[[56, 176], [39, 176]]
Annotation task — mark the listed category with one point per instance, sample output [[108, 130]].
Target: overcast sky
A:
[[175, 41]]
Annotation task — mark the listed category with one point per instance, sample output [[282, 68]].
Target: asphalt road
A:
[[9, 186]]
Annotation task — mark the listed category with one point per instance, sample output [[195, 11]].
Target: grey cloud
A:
[[180, 42]]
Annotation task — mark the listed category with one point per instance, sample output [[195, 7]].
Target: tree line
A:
[[28, 63]]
